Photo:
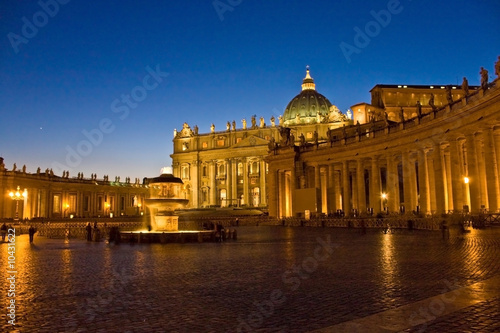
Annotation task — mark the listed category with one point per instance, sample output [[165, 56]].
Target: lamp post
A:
[[384, 201], [18, 195]]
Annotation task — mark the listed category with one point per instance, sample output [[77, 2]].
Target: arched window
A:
[[221, 169], [185, 171], [222, 197], [255, 196]]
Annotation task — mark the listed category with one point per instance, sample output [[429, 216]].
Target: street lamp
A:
[[18, 196], [384, 201]]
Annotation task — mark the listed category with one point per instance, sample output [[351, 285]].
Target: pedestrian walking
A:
[[31, 232], [3, 231]]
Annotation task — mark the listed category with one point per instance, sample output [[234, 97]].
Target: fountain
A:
[[165, 194]]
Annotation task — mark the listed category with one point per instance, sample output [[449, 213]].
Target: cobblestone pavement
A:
[[272, 279]]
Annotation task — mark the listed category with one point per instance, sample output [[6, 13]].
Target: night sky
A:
[[99, 86]]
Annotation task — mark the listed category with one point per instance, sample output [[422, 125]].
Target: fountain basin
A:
[[164, 237]]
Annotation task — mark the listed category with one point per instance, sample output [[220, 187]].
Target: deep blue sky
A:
[[64, 78]]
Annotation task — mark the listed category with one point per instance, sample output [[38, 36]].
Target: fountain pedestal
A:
[[166, 223]]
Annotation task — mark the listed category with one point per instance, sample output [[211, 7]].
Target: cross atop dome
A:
[[308, 82]]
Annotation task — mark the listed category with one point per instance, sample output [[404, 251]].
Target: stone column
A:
[[229, 182], [346, 190], [375, 199], [491, 170], [360, 185], [317, 186], [245, 182], [457, 179], [273, 193], [407, 174], [195, 183], [423, 182], [439, 185], [332, 200], [263, 194], [234, 182], [212, 194], [392, 185], [472, 172]]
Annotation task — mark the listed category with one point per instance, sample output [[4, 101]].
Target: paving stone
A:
[[273, 279]]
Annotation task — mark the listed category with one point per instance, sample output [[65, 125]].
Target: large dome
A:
[[308, 104]]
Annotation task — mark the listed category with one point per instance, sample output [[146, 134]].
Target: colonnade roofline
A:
[[443, 122]]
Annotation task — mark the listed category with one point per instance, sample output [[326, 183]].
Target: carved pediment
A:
[[186, 132], [251, 141]]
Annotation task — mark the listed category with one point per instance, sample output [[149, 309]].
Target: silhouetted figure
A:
[[31, 232], [88, 228], [3, 231]]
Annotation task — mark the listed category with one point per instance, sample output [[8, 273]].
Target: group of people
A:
[[4, 228], [93, 233]]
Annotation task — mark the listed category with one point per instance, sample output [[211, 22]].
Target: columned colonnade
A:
[[448, 162]]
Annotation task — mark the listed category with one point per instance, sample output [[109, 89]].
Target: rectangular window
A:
[[86, 203], [122, 203], [56, 208], [220, 143], [204, 145], [99, 203], [72, 203]]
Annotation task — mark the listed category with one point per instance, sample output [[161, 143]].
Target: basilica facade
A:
[[229, 167], [429, 149]]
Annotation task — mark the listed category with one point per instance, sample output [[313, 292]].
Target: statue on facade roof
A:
[[234, 125], [329, 135], [195, 129], [262, 122], [254, 122], [280, 120], [212, 128], [484, 78], [386, 118], [272, 144], [419, 110], [24, 168], [273, 124], [449, 96], [38, 171], [14, 167], [497, 67], [228, 126], [302, 139], [465, 86], [244, 122], [431, 102]]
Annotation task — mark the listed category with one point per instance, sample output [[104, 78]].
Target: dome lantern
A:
[[308, 82]]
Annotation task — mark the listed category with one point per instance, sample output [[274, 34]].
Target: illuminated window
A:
[[185, 172], [56, 204], [204, 145], [309, 135], [220, 143], [240, 169], [238, 140]]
